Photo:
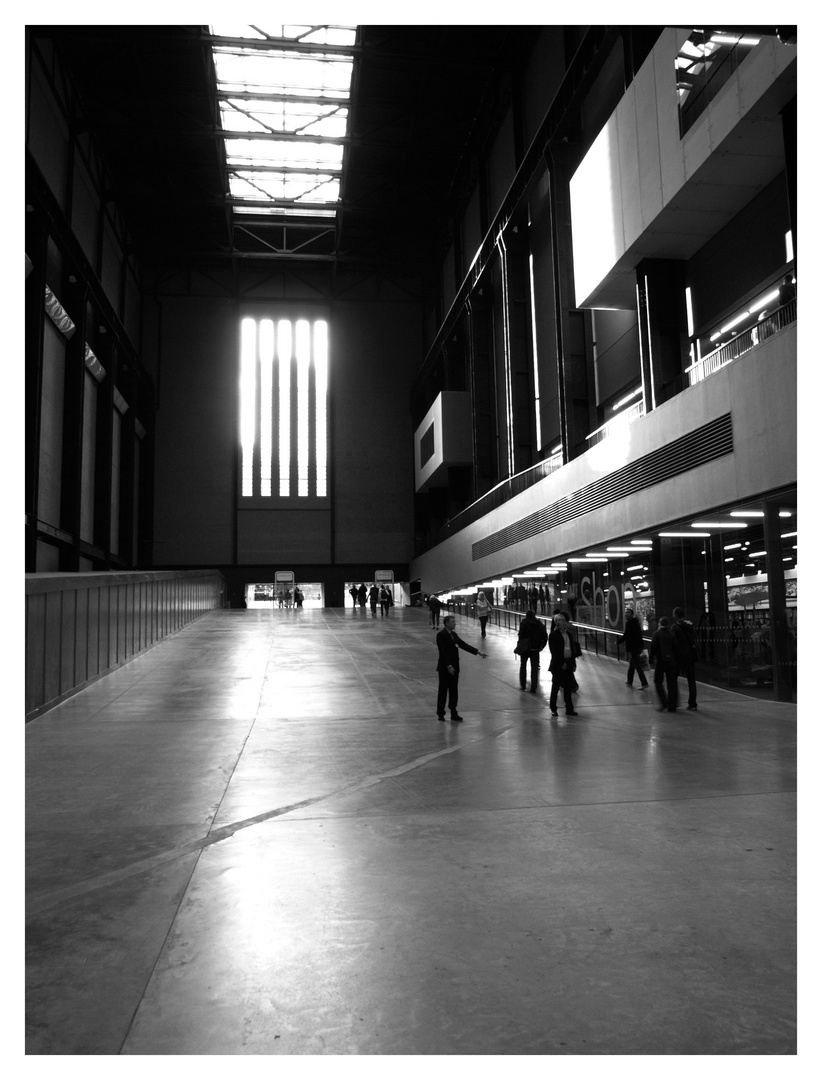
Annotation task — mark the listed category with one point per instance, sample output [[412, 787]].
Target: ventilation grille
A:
[[707, 443]]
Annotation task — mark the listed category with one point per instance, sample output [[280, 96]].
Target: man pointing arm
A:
[[449, 644]]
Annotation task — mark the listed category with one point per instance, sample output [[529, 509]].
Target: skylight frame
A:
[[283, 97]]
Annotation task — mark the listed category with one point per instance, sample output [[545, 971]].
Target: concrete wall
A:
[[80, 626], [375, 354]]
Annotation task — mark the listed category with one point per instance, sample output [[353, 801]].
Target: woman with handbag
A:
[[483, 609], [561, 644]]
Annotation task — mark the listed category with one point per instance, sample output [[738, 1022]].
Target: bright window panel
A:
[[296, 118], [321, 404], [303, 355], [248, 395], [284, 365], [266, 402], [283, 153]]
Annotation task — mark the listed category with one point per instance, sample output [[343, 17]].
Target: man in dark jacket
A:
[[533, 638], [685, 645], [563, 663], [448, 666], [663, 658], [634, 646]]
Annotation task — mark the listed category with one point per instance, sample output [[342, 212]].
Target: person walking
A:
[[449, 644], [435, 607], [353, 593], [663, 656], [385, 600], [533, 637], [483, 610], [632, 637], [686, 652], [563, 664], [362, 594]]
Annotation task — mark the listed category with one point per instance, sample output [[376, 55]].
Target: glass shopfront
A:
[[732, 570]]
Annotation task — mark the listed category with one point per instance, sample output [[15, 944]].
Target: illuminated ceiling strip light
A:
[[734, 322], [588, 558], [747, 513], [692, 534], [785, 536], [626, 399], [732, 39], [719, 525], [769, 298]]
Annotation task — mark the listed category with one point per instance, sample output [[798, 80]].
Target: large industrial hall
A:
[[411, 531]]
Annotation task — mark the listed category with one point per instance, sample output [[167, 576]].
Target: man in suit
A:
[[448, 667]]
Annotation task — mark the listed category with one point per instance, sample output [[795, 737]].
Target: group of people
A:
[[285, 598], [672, 653], [521, 598], [376, 597], [532, 639]]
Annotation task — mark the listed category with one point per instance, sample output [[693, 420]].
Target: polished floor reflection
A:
[[257, 839]]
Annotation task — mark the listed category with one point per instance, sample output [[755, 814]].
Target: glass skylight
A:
[[283, 96]]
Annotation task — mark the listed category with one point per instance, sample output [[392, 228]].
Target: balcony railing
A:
[[742, 343], [498, 495], [627, 416]]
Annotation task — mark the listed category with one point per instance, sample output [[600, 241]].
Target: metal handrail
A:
[[742, 343], [627, 416]]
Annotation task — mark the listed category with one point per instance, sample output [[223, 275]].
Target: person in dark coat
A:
[[435, 607], [385, 600], [634, 645], [663, 658], [563, 664], [449, 644], [361, 595], [532, 639], [374, 599], [685, 647]]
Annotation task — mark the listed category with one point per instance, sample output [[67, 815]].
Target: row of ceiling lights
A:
[[633, 547]]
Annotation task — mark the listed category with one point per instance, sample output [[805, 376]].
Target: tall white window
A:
[[284, 365], [284, 408]]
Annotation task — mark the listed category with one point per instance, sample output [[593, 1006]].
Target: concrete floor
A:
[[257, 839]]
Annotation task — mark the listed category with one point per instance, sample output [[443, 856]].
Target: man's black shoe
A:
[[456, 719]]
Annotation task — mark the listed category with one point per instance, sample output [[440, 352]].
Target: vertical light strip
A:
[[789, 246], [321, 404], [303, 354], [248, 393], [266, 402], [537, 421], [506, 345], [284, 365]]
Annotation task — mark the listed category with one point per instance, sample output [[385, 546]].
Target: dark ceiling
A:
[[426, 100]]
